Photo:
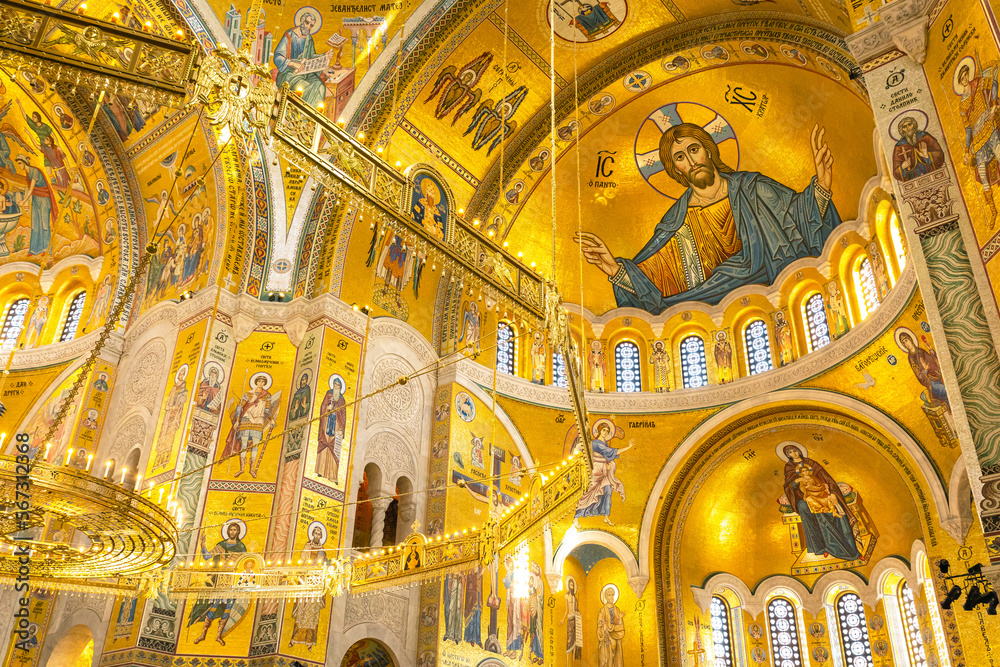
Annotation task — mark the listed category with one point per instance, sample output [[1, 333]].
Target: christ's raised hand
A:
[[596, 252], [823, 158]]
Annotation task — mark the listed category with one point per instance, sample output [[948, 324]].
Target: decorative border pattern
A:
[[797, 372], [243, 487], [323, 489], [536, 58], [110, 155], [438, 152]]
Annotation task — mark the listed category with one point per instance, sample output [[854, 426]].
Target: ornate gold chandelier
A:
[[74, 527]]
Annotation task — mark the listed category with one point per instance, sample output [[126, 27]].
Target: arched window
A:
[[559, 378], [722, 635], [73, 317], [694, 371], [628, 377], [864, 287], [505, 348], [758, 347], [784, 631], [935, 612], [814, 316], [898, 244], [13, 322], [854, 631], [911, 626]]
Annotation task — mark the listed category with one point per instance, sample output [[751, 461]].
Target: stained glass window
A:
[[722, 636], [559, 370], [911, 626], [693, 368], [864, 283], [505, 348], [73, 317], [854, 631], [814, 316], [758, 347], [628, 377], [13, 322], [898, 244], [784, 631]]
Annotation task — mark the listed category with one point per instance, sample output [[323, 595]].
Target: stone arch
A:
[[959, 502], [864, 412], [381, 641], [575, 538], [691, 466], [80, 624], [131, 434], [70, 646], [392, 453], [131, 468]]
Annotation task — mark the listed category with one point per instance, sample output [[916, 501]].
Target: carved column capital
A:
[[900, 24], [243, 326], [911, 38], [296, 327], [381, 504]]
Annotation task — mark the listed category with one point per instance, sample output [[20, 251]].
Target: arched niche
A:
[[73, 648], [736, 506], [368, 652]]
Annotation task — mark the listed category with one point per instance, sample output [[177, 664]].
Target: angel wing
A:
[[262, 97], [446, 75], [275, 403], [8, 131], [211, 75], [169, 234], [473, 99], [505, 132]]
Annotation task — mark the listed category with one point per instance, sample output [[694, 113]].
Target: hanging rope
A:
[[552, 129]]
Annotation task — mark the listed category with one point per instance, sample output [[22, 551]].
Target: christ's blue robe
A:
[[775, 224]]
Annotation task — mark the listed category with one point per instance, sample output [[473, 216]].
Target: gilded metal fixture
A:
[[63, 46], [337, 159], [79, 527]]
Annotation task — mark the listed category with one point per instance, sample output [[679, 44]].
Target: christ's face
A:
[[693, 162]]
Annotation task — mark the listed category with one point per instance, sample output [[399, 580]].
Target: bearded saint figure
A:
[[729, 228]]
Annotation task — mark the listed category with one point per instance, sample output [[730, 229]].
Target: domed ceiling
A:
[[55, 194], [465, 87]]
